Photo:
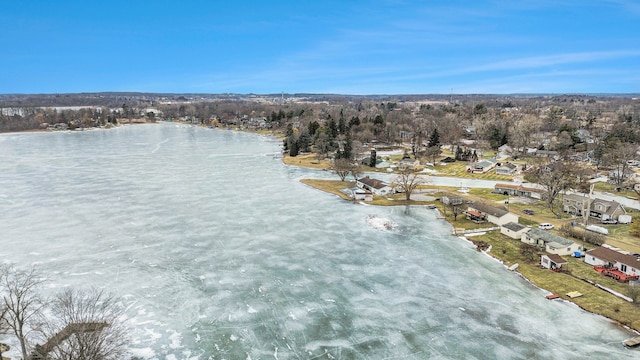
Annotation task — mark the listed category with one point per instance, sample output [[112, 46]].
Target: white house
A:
[[377, 187], [601, 256], [493, 214], [482, 166], [513, 230], [551, 243], [552, 261], [507, 169]]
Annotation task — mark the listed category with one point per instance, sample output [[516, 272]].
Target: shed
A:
[[553, 262]]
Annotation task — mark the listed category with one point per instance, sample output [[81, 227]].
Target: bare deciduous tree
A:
[[555, 178], [89, 325], [22, 304], [407, 181], [342, 167]]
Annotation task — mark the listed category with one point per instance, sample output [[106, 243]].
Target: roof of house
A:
[[510, 166], [549, 238], [517, 187], [609, 205], [374, 183], [614, 256], [489, 209], [557, 259], [514, 226], [486, 163], [474, 213]]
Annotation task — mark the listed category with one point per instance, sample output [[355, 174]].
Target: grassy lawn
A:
[[336, 186], [459, 169], [593, 299], [308, 161]]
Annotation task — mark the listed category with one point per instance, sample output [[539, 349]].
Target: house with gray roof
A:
[[513, 230], [507, 169], [599, 209], [493, 214], [550, 242], [518, 190], [482, 166]]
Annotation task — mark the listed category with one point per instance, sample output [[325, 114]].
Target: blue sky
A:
[[322, 46]]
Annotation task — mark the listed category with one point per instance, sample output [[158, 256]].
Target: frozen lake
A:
[[219, 252]]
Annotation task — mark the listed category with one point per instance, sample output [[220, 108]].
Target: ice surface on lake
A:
[[219, 252], [379, 223]]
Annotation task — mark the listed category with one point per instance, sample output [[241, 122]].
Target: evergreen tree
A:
[[378, 125], [293, 149], [459, 154], [347, 151], [333, 128], [313, 127], [434, 139], [304, 141]]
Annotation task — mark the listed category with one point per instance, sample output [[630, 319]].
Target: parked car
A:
[[545, 226], [528, 211], [610, 221]]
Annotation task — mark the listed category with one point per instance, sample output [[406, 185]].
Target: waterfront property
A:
[[361, 194], [553, 262], [603, 210], [513, 230], [377, 187], [551, 243], [628, 264], [493, 214]]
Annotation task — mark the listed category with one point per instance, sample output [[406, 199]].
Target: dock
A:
[[633, 342]]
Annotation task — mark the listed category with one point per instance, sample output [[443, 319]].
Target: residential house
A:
[[584, 136], [547, 154], [550, 242], [507, 169], [553, 262], [482, 166], [600, 209], [513, 230], [602, 256], [259, 122], [377, 187], [518, 190], [493, 214]]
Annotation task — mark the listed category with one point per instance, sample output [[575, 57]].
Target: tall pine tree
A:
[[434, 139]]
